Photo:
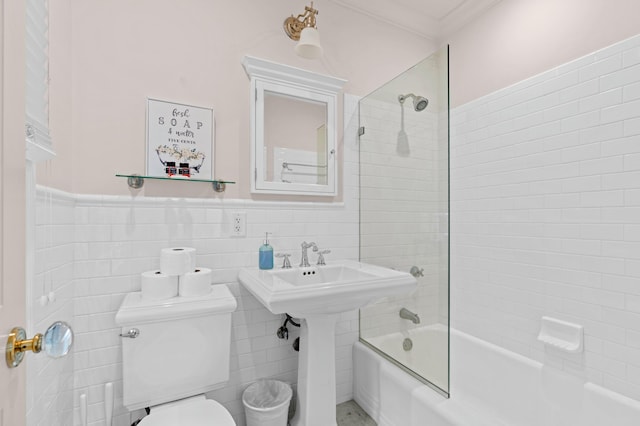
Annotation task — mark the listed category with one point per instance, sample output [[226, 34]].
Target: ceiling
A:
[[432, 19]]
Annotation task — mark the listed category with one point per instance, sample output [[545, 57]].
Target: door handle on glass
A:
[[132, 333], [56, 342]]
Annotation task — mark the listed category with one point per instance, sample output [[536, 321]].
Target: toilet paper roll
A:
[[177, 260], [158, 286], [196, 283]]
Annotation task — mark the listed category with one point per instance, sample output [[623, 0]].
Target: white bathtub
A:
[[490, 386], [428, 357]]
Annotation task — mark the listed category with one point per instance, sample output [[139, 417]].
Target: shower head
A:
[[419, 102]]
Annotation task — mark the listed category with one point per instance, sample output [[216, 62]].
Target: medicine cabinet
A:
[[293, 129]]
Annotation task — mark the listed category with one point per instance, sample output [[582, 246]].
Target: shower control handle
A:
[[417, 272], [132, 333]]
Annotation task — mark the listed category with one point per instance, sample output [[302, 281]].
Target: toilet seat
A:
[[195, 411]]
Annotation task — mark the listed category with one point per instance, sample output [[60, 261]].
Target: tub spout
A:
[[407, 314]]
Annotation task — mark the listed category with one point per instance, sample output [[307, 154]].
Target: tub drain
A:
[[407, 344]]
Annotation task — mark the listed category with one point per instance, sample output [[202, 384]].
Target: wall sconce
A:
[[302, 28]]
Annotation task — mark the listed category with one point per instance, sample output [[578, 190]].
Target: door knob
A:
[[56, 342]]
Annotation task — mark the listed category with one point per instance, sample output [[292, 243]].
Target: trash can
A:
[[266, 403]]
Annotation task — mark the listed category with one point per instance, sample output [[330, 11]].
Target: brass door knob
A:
[[56, 342]]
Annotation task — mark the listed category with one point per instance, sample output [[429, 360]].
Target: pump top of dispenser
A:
[[266, 238]]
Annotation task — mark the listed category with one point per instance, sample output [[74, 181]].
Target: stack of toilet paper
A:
[[178, 276]]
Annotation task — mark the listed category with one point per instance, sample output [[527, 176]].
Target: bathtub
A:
[[428, 356], [490, 386]]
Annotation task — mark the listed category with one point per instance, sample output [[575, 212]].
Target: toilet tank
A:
[[182, 348]]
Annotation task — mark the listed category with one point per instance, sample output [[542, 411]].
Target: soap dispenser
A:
[[265, 259]]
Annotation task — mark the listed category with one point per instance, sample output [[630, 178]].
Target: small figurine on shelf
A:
[[189, 160], [184, 170], [170, 168]]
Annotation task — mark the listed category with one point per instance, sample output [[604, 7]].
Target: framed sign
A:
[[179, 140]]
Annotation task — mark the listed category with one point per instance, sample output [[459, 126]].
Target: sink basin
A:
[[339, 287], [317, 294], [320, 275]]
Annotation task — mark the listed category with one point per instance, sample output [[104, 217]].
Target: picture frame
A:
[[180, 140]]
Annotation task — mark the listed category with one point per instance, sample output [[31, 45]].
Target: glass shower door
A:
[[404, 223]]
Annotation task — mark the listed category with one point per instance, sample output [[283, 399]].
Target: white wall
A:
[[517, 39], [545, 185], [108, 57], [98, 245], [117, 238]]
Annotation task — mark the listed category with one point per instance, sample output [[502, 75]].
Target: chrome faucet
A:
[[304, 261], [407, 314]]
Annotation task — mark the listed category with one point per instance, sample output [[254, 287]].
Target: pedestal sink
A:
[[317, 294]]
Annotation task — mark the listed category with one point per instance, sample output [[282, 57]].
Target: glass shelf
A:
[[136, 181]]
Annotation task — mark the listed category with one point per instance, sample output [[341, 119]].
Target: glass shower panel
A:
[[404, 216]]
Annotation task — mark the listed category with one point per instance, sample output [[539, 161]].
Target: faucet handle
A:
[[321, 254], [286, 264]]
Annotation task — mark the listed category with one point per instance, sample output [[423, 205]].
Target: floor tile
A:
[[350, 414]]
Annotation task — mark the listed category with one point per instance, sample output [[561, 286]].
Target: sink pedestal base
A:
[[316, 403]]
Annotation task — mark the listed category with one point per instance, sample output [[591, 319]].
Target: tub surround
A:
[[545, 203], [544, 207]]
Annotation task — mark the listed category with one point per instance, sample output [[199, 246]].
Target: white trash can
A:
[[266, 403]]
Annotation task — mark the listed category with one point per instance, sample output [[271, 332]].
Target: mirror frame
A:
[[267, 76]]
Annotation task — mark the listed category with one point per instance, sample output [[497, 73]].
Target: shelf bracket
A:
[[135, 181], [219, 186]]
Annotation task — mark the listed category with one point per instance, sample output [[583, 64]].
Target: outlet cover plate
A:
[[239, 224]]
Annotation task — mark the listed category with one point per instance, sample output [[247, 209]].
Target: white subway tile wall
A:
[[545, 189], [403, 184], [399, 210], [98, 246], [49, 400]]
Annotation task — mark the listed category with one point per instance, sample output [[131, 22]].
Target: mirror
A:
[[295, 151], [293, 118], [58, 339]]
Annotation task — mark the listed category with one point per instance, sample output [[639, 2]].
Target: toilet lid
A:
[[191, 412]]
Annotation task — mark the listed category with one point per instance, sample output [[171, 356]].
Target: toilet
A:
[[174, 351]]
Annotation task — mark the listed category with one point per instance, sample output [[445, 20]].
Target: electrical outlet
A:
[[239, 224]]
